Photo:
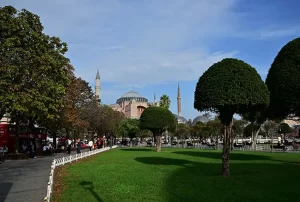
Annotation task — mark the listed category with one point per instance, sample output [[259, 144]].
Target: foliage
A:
[[284, 128], [145, 133], [129, 128], [230, 86], [238, 127], [181, 130], [270, 127], [34, 70], [283, 81], [216, 127], [104, 119], [157, 120], [165, 101]]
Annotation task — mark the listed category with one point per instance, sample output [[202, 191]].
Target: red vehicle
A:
[[10, 132], [8, 137]]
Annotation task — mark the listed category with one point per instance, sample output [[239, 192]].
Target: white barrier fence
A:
[[68, 159]]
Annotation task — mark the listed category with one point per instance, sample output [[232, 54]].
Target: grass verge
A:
[[141, 174]]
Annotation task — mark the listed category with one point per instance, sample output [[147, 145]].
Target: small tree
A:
[[284, 129], [283, 81], [157, 120], [256, 119], [238, 127], [270, 128], [228, 87], [129, 128]]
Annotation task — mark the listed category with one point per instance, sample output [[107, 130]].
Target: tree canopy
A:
[[230, 86], [34, 71], [283, 81], [129, 128]]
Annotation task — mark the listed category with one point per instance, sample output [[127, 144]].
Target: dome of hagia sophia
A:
[[132, 95]]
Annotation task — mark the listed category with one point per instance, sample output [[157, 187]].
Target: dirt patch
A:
[[61, 172]]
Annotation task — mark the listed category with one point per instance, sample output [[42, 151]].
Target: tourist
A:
[[90, 144], [98, 143], [79, 143], [68, 143]]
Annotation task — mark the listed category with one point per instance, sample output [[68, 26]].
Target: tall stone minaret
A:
[[178, 101], [97, 87], [154, 99]]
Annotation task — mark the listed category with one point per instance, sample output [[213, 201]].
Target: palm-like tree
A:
[[165, 101]]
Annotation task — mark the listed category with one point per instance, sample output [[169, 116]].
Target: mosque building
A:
[[132, 104]]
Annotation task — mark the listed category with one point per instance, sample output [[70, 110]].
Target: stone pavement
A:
[[25, 180]]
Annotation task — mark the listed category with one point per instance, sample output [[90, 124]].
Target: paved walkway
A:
[[25, 180]]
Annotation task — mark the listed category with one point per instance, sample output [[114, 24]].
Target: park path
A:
[[25, 180]]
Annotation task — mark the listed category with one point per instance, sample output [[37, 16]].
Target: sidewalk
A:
[[25, 180]]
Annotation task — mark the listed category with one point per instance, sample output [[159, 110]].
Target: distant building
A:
[[132, 104]]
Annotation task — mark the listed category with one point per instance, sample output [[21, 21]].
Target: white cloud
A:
[[135, 43]]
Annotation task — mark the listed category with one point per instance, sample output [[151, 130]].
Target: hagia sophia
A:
[[132, 104]]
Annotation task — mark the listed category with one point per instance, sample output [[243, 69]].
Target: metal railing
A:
[[68, 159]]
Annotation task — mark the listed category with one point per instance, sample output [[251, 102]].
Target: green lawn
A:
[[140, 175]]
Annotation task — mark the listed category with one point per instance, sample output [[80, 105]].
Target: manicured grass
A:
[[141, 175]]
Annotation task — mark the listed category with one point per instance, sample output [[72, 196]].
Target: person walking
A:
[[90, 144], [79, 146], [69, 143]]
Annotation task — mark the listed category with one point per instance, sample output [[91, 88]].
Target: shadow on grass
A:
[[136, 149], [259, 182], [218, 155], [90, 187]]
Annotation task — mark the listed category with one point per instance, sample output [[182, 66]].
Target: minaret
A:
[[97, 87], [154, 99], [178, 101]]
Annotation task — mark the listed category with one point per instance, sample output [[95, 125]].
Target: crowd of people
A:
[[97, 143]]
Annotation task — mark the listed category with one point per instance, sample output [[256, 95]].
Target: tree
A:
[[34, 71], [238, 127], [165, 101], [256, 118], [33, 65], [181, 131], [104, 119], [284, 129], [283, 81], [129, 128], [216, 128], [270, 128], [157, 120], [228, 87]]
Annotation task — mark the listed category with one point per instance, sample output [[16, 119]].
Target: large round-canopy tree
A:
[[283, 81], [228, 87], [157, 120]]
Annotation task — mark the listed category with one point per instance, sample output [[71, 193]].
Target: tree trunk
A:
[[158, 143], [226, 151], [271, 142], [231, 142], [255, 138], [252, 139], [217, 142]]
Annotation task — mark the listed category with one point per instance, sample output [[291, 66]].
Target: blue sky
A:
[[151, 45]]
